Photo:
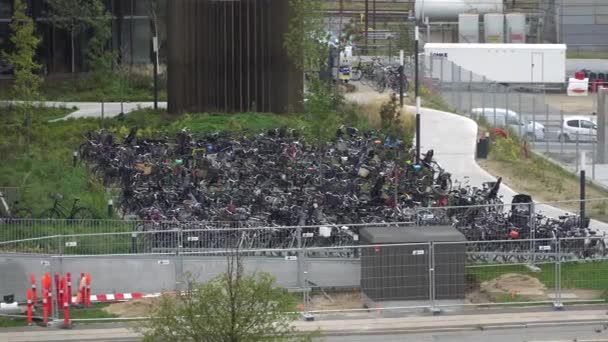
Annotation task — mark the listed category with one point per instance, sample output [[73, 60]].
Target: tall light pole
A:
[[417, 94]]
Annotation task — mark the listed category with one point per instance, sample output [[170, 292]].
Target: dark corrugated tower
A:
[[228, 56]]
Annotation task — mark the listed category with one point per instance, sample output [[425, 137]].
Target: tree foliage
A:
[[232, 307], [306, 38], [99, 58], [25, 42], [77, 16]]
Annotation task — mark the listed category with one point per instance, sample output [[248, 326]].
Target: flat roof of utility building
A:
[[388, 235]]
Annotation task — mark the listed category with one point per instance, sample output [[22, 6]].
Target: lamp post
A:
[[417, 94]]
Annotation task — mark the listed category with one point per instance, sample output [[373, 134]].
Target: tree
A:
[[99, 58], [25, 42], [306, 40], [69, 15], [232, 307]]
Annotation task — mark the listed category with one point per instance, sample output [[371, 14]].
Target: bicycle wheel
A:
[[51, 214], [22, 213], [83, 214], [356, 74]]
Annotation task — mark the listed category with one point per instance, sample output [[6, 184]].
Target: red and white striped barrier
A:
[[120, 297]]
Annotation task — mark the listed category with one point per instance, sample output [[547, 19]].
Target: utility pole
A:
[[155, 48], [366, 22], [582, 191], [417, 94]]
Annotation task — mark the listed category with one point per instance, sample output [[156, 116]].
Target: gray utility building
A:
[[408, 263]]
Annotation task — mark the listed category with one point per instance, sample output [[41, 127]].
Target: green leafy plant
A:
[[306, 38], [234, 306], [25, 42]]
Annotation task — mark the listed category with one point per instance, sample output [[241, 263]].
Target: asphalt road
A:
[[585, 333]]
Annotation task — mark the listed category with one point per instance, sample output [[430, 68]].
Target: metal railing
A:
[[540, 115], [370, 276]]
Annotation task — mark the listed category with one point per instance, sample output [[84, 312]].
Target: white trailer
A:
[[502, 63]]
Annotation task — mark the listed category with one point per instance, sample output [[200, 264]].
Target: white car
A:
[[583, 128], [501, 117]]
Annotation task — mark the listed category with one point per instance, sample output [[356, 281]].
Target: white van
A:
[[501, 117]]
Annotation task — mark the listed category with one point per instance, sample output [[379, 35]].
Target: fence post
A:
[[533, 233], [460, 88], [546, 125], [593, 157], [576, 161], [494, 86], [179, 260], [520, 113], [300, 257], [483, 96], [434, 310], [533, 120], [506, 101], [441, 74], [470, 93], [54, 303], [557, 303], [561, 134]]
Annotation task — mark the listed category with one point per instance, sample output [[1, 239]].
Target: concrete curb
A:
[[366, 326]]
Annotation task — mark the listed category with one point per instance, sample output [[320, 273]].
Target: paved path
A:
[[454, 138], [94, 109], [367, 326]]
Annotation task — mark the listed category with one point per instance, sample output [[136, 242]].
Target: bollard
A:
[[66, 309], [69, 287], [33, 281], [74, 158], [30, 307], [87, 289], [110, 208], [47, 293], [45, 308], [58, 288]]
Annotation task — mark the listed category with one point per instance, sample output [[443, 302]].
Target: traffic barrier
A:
[[81, 290], [45, 308], [47, 294], [30, 306], [33, 282], [66, 308], [69, 287], [58, 288], [87, 289]]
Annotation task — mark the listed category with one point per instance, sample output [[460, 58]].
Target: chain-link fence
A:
[[369, 277], [534, 114]]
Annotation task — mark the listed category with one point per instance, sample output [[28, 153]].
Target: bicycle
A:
[[59, 211], [16, 212]]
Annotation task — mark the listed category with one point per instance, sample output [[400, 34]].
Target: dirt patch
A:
[[337, 301], [576, 104], [134, 308], [513, 284]]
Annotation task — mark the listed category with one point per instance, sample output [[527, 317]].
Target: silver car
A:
[[501, 117]]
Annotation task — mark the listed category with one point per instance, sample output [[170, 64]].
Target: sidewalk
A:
[[94, 109], [347, 327]]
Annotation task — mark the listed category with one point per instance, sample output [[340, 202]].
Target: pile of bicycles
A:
[[274, 179], [213, 186]]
